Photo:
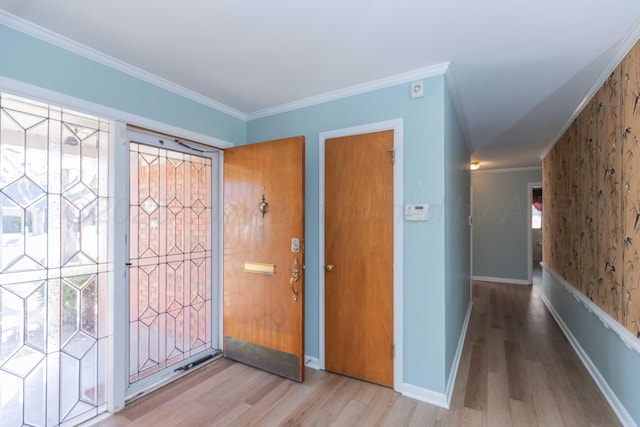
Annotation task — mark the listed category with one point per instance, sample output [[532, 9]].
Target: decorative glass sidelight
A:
[[170, 257], [54, 266]]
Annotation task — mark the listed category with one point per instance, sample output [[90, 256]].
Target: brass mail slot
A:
[[260, 268]]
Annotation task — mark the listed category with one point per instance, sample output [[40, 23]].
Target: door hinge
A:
[[393, 155], [393, 351]]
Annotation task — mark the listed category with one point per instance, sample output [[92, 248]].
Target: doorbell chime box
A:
[[413, 212]]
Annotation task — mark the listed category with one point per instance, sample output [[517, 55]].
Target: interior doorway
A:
[[534, 225]]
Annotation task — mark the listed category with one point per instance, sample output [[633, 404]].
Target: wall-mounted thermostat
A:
[[416, 213]]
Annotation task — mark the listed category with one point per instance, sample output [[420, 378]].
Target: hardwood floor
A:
[[516, 369]]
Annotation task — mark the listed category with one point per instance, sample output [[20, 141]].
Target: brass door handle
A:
[[295, 276], [328, 267]]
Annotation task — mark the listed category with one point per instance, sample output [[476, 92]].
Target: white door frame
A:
[[530, 187], [471, 225], [398, 137]]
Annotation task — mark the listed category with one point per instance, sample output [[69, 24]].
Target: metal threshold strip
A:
[[178, 373]]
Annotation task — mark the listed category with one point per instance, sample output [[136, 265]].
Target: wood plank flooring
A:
[[516, 369]]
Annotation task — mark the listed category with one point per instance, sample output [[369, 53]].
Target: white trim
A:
[[397, 125], [471, 231], [609, 394], [522, 169], [501, 280], [629, 340], [312, 362], [628, 41], [424, 395], [456, 360], [422, 73], [457, 104], [617, 406], [432, 397], [119, 208], [36, 93], [221, 249], [73, 46], [529, 232]]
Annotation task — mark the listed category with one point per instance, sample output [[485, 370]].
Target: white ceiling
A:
[[520, 68]]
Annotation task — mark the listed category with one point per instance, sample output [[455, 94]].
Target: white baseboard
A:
[[501, 280], [312, 362], [424, 395], [456, 360], [442, 400], [609, 394]]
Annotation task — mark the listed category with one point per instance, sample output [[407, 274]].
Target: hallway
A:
[[516, 369]]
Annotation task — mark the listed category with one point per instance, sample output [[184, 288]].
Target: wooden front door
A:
[[263, 297], [359, 256]]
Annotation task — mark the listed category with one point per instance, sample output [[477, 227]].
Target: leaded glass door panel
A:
[[170, 252], [54, 266]]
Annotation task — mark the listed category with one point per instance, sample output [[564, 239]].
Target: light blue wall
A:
[[457, 187], [617, 364], [32, 61], [35, 62], [423, 182], [500, 227]]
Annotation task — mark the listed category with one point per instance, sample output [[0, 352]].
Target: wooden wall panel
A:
[[574, 198], [588, 215], [609, 196], [548, 214], [565, 218], [551, 212], [631, 190]]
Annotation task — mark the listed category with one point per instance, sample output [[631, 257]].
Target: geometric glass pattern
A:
[[54, 269], [170, 256]]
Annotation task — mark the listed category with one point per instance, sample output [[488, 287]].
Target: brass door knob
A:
[[328, 267]]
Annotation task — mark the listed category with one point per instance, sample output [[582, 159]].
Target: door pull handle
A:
[[295, 276], [328, 267]]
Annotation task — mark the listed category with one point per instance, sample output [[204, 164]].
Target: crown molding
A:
[[421, 73], [457, 105], [629, 40], [66, 43], [48, 36]]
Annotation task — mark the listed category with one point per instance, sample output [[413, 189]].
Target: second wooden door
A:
[[359, 256]]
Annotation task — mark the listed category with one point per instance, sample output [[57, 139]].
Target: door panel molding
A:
[[397, 126]]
